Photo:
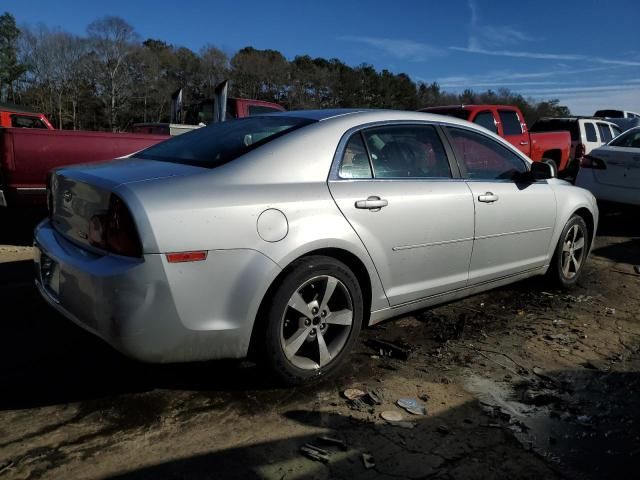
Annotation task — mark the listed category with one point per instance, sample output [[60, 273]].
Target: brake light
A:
[[581, 149], [592, 162], [115, 231]]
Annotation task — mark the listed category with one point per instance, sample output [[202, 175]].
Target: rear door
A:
[[415, 216], [514, 221], [514, 131]]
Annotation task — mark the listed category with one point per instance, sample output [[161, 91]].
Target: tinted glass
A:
[[258, 109], [510, 122], [605, 133], [628, 140], [21, 121], [609, 113], [407, 151], [355, 161], [557, 125], [220, 143], [485, 119], [483, 157], [616, 131], [590, 130]]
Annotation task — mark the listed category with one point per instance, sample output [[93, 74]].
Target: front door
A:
[[395, 187], [514, 221]]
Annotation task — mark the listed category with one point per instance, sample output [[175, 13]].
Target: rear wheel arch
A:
[[587, 216], [349, 259], [555, 156]]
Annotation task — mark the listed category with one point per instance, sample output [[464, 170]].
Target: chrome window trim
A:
[[346, 136]]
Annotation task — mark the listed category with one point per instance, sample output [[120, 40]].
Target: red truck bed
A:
[[26, 155]]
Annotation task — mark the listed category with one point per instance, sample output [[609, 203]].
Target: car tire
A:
[[313, 339], [571, 253]]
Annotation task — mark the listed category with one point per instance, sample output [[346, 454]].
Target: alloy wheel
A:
[[316, 322], [573, 251]]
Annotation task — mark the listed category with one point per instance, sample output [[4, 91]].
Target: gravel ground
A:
[[522, 382]]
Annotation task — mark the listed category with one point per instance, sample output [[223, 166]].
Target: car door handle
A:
[[524, 143], [488, 197], [372, 203]]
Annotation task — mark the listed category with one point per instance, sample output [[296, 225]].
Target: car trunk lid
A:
[[622, 167], [79, 193]]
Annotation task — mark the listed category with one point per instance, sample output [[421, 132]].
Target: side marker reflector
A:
[[180, 257]]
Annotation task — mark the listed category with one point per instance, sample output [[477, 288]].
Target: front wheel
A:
[[571, 252], [313, 320]]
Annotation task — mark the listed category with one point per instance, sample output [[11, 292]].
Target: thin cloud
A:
[[399, 48], [548, 56], [492, 36]]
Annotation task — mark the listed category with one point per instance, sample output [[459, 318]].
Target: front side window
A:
[[590, 130], [222, 142], [407, 151], [510, 122], [628, 140], [485, 119], [355, 161], [483, 158], [605, 133]]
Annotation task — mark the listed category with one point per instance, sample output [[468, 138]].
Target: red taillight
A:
[[581, 149], [115, 231], [592, 162]]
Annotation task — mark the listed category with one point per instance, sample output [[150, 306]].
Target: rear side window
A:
[[407, 151], [485, 119], [616, 131], [484, 158], [220, 143], [355, 161], [590, 131], [605, 133], [510, 122]]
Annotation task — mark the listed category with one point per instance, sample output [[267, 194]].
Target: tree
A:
[[112, 41], [10, 68]]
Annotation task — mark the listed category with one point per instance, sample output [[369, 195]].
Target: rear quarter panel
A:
[[543, 142]]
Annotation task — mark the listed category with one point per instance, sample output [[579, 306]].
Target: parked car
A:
[[282, 235], [26, 155], [625, 124], [15, 117], [508, 122], [616, 114], [612, 172], [587, 133]]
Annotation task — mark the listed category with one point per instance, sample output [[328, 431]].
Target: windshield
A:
[[222, 142]]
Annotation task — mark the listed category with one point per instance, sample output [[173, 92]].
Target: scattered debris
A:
[[315, 453], [353, 393], [412, 405], [443, 429], [336, 442], [610, 311], [391, 416], [367, 461], [390, 349]]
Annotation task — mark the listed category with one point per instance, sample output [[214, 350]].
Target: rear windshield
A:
[[220, 143], [557, 125], [609, 113], [453, 112]]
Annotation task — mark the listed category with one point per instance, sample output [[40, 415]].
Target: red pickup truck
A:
[[27, 154], [10, 117], [508, 122]]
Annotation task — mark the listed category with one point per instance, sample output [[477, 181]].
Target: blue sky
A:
[[584, 52]]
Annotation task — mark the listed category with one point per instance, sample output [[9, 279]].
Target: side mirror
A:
[[543, 170]]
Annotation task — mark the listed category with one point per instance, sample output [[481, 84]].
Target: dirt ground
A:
[[522, 382]]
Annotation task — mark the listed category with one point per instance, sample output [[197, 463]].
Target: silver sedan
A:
[[281, 236]]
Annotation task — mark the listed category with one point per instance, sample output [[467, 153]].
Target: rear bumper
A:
[[152, 310]]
